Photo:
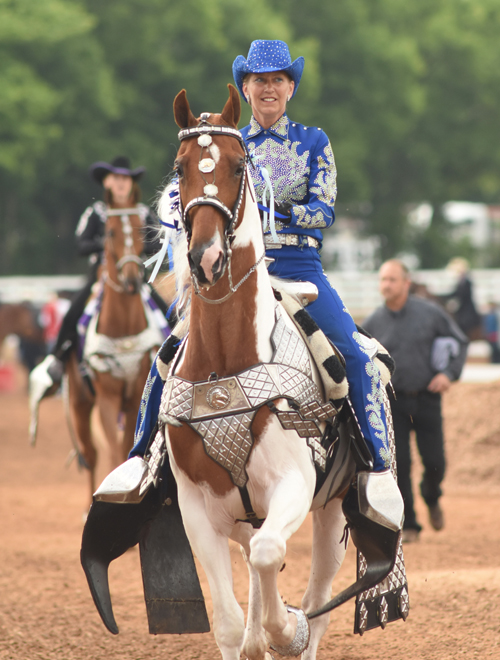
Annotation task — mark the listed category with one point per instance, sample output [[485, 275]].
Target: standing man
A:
[[429, 350]]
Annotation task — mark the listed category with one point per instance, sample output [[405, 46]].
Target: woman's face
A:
[[268, 94], [120, 186]]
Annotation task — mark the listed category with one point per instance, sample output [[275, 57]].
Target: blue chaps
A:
[[303, 264]]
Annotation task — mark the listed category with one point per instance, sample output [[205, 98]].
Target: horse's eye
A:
[[178, 169], [240, 169], [110, 233]]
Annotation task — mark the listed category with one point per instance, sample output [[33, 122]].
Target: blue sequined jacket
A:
[[302, 170]]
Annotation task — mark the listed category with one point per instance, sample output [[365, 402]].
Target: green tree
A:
[[409, 95], [407, 92]]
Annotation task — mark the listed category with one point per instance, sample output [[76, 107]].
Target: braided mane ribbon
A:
[[169, 229]]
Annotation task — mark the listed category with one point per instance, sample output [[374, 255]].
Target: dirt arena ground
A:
[[46, 611]]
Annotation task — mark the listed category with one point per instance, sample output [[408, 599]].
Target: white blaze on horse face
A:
[[214, 152], [210, 257]]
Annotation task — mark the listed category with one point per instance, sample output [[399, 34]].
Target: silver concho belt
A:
[[221, 410]]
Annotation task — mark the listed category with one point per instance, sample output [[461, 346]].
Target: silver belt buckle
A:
[[273, 246], [270, 244]]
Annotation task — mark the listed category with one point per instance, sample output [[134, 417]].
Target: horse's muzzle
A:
[[131, 285], [207, 263]]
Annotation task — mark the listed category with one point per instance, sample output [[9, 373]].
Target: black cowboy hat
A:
[[120, 165]]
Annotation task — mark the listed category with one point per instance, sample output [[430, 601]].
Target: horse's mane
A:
[[168, 213]]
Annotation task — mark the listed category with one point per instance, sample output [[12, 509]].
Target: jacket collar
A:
[[279, 128]]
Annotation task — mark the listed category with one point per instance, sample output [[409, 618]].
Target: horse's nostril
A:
[[132, 286]]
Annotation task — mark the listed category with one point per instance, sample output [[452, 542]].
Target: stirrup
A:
[[374, 511], [44, 381]]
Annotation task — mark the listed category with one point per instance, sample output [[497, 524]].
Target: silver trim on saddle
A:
[[221, 410]]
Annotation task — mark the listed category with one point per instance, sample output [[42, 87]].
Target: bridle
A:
[[129, 256], [204, 132]]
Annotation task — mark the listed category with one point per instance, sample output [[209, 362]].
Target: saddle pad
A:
[[93, 307]]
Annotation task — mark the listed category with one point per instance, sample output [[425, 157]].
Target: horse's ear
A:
[[182, 112], [232, 110]]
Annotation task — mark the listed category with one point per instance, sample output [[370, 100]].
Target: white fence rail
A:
[[359, 290], [37, 288]]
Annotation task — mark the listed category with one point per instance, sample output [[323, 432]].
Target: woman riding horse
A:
[[298, 160], [121, 191], [241, 404], [297, 163]]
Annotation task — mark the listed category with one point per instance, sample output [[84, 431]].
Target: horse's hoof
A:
[[301, 640]]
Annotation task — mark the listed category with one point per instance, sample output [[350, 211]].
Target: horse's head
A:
[[123, 245], [211, 166]]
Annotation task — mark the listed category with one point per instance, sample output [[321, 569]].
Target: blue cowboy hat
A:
[[120, 165], [265, 56]]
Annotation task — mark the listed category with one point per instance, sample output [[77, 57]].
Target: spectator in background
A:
[[490, 329], [51, 317], [460, 302], [429, 350]]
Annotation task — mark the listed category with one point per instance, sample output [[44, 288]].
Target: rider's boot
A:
[[374, 511]]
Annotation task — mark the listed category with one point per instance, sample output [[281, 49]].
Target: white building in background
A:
[[347, 252], [470, 220], [346, 249]]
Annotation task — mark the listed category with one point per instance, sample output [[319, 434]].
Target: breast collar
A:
[[221, 410]]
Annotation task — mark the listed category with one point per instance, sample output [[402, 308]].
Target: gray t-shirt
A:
[[410, 335]]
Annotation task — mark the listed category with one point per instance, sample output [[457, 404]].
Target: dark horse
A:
[[121, 341], [21, 320]]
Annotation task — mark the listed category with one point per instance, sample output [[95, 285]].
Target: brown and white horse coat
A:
[[225, 339]]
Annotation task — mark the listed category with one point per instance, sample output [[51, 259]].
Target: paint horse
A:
[[252, 441], [121, 341]]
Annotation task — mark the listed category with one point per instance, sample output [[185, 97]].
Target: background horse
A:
[[21, 320], [119, 346], [231, 325]]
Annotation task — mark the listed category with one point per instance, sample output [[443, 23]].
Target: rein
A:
[[204, 132], [232, 289]]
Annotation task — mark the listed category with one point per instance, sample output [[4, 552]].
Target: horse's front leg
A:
[[109, 393], [328, 553], [132, 405], [81, 403], [288, 508], [212, 549], [255, 642]]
